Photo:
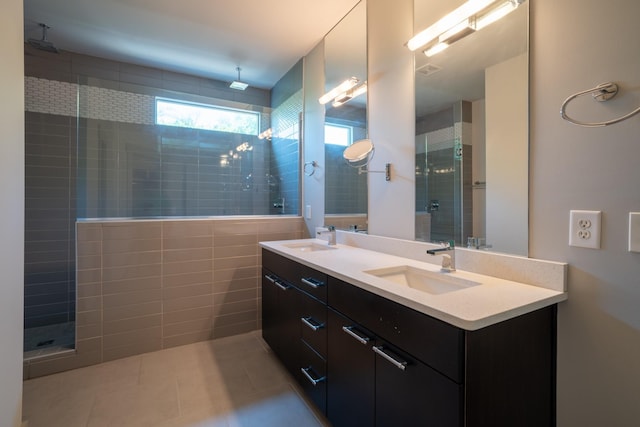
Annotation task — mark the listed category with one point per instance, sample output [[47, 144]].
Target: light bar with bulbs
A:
[[470, 17], [342, 87], [347, 96]]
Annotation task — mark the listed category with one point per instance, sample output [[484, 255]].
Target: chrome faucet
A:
[[332, 235], [448, 260]]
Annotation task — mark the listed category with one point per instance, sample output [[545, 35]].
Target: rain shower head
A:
[[238, 84], [43, 43]]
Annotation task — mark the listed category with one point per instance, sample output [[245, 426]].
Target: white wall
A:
[[507, 151], [12, 212], [576, 45], [391, 118]]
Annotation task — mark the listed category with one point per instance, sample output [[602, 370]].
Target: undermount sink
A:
[[309, 246], [423, 280]]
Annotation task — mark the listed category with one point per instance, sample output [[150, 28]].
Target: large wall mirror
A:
[[472, 127], [345, 51]]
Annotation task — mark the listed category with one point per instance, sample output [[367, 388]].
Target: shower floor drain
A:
[[47, 342]]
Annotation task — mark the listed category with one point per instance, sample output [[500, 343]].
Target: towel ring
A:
[[313, 165], [602, 92]]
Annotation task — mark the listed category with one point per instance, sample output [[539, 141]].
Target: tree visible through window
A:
[[200, 116]]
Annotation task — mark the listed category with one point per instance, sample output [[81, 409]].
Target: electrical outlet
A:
[[584, 229]]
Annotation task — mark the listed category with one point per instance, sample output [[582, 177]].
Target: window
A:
[[200, 116], [337, 134]]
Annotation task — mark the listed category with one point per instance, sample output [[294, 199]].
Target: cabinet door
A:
[[351, 372], [410, 393], [281, 319]]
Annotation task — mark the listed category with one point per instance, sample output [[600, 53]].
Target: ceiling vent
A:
[[428, 69]]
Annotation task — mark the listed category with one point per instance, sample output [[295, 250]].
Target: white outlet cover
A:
[[584, 236], [634, 231]]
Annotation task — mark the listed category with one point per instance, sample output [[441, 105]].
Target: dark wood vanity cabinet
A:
[[379, 363], [294, 321]]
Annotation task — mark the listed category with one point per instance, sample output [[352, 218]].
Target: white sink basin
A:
[[309, 246], [423, 280]]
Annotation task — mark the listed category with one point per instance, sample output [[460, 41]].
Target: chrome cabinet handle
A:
[[400, 364], [313, 381], [312, 323], [360, 338], [315, 284], [276, 282]]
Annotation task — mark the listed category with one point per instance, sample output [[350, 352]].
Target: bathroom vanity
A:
[[368, 350]]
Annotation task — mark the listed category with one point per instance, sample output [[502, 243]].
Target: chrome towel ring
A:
[[602, 92], [312, 170]]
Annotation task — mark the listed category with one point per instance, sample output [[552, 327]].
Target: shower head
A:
[[43, 43]]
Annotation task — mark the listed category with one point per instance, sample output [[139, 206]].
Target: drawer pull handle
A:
[[353, 332], [400, 364], [311, 323], [282, 285], [277, 282], [314, 381], [315, 284]]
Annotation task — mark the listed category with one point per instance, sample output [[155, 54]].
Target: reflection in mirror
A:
[[359, 153], [472, 128], [346, 119]]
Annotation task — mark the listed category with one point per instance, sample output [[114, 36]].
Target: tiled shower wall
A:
[[50, 214], [51, 150], [441, 175], [146, 285], [345, 188], [287, 101]]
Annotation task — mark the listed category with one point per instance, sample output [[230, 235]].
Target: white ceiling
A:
[[208, 38]]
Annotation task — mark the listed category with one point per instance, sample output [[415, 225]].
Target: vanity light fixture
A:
[[238, 84], [347, 96], [436, 48], [495, 14], [342, 87], [466, 19]]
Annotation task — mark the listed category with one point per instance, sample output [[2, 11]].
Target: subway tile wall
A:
[[444, 177], [53, 83], [50, 213], [146, 285], [286, 123]]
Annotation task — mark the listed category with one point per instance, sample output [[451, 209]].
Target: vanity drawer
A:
[[307, 279], [313, 376], [430, 340], [312, 282], [314, 325]]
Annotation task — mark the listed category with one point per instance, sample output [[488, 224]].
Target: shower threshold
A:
[[46, 340]]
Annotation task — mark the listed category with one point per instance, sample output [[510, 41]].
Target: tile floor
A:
[[233, 381]]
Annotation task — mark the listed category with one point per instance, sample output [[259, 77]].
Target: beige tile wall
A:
[[148, 285]]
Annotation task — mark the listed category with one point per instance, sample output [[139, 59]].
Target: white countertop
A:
[[471, 308]]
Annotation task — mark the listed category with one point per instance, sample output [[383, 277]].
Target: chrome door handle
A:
[[312, 323], [315, 284], [313, 381], [400, 364], [362, 339]]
